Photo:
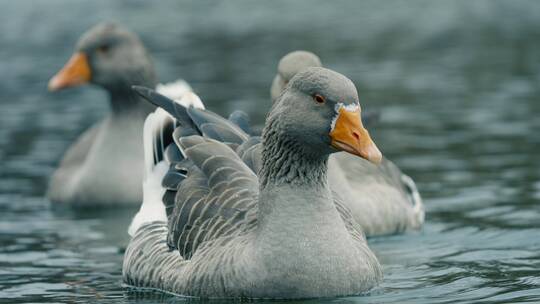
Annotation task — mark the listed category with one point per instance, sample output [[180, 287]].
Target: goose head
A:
[[108, 56], [320, 110], [289, 66]]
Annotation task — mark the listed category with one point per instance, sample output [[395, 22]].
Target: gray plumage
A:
[[382, 199], [281, 233], [241, 119]]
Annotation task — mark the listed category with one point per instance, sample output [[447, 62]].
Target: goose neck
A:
[[287, 162], [126, 102], [293, 178]]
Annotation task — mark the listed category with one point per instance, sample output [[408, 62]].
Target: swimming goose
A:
[[104, 165], [382, 199], [235, 233]]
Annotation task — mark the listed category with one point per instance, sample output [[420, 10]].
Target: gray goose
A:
[[105, 164], [382, 199], [212, 227]]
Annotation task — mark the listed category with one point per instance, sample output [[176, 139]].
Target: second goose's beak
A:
[[348, 134], [75, 72]]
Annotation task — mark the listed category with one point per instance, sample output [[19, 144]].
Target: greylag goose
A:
[[382, 199], [211, 227], [105, 164]]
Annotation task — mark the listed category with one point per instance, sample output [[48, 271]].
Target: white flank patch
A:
[[152, 208], [174, 90], [152, 128], [352, 107], [148, 145], [191, 99], [181, 92]]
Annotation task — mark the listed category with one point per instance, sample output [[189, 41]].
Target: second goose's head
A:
[[108, 56], [289, 66], [319, 112]]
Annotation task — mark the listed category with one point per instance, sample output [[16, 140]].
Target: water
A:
[[457, 82]]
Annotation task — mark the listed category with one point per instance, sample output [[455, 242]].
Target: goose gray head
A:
[[319, 109], [289, 66], [109, 56]]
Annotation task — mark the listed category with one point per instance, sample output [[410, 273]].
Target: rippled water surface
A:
[[457, 82]]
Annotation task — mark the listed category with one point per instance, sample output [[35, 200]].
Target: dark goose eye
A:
[[104, 48], [319, 99]]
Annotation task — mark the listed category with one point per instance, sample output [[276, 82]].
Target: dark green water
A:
[[458, 83]]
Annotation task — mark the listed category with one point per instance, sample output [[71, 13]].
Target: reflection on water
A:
[[457, 82]]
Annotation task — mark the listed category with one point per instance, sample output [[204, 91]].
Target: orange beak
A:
[[349, 135], [75, 72]]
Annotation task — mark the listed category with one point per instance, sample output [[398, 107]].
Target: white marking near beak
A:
[[352, 107]]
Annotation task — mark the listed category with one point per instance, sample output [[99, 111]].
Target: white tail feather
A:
[[152, 208]]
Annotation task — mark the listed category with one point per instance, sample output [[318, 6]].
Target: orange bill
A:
[[74, 73], [348, 134]]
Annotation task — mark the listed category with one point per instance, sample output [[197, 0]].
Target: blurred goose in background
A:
[[231, 231], [382, 199], [105, 164], [296, 61]]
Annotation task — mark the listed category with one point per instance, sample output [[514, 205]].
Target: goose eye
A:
[[319, 99], [103, 49]]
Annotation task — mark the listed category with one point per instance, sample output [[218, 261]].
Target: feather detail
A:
[[157, 137]]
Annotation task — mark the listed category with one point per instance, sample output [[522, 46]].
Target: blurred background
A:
[[457, 83]]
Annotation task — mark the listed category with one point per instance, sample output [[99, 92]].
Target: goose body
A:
[[212, 226], [104, 165], [382, 199]]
